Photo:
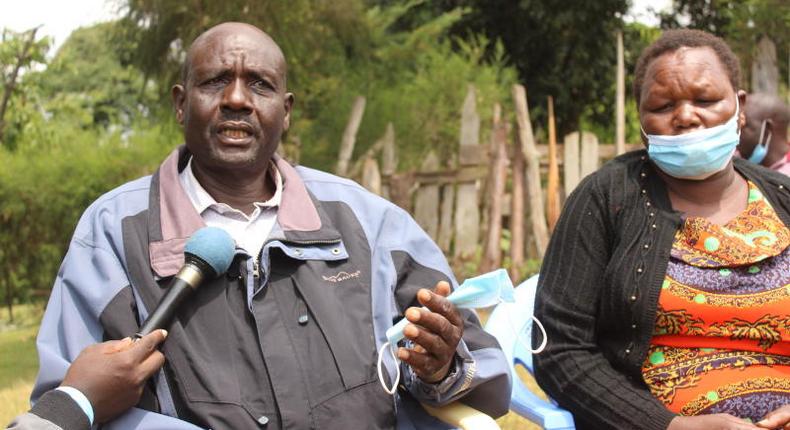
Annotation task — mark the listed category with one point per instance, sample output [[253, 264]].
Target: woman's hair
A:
[[672, 40]]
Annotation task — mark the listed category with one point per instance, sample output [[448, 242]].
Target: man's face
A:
[[233, 105]]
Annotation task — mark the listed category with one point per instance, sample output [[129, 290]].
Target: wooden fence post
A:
[[371, 178], [534, 191], [492, 254], [517, 244], [590, 156], [553, 185], [467, 215], [426, 202], [620, 98], [350, 136], [389, 158], [570, 162]]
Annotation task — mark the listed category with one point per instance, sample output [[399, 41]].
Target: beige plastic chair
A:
[[464, 417]]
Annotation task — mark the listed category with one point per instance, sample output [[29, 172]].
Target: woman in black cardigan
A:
[[665, 291]]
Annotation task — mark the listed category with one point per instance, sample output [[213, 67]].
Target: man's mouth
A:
[[235, 133], [235, 130]]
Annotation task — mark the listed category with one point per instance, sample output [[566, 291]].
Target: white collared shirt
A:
[[249, 232]]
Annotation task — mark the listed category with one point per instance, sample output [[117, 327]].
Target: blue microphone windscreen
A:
[[214, 246]]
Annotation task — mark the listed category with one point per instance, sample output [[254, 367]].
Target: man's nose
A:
[[236, 96]]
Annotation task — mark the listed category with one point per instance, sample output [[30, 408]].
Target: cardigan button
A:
[[633, 298], [647, 204], [652, 214], [781, 187], [647, 246], [643, 174], [633, 326], [654, 226], [639, 270], [644, 191], [627, 351]]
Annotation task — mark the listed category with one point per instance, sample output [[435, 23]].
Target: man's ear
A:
[[178, 95], [288, 105]]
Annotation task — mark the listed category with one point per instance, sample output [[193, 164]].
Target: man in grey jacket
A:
[[289, 337], [105, 380]]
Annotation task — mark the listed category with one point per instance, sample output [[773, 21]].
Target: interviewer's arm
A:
[[105, 380]]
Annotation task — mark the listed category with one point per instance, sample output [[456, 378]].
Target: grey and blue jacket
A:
[[286, 339]]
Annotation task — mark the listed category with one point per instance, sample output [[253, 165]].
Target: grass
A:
[[18, 359], [19, 364]]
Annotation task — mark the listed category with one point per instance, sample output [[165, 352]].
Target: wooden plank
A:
[[426, 201], [765, 73], [467, 215], [350, 136], [590, 155], [570, 162], [553, 182], [470, 129], [619, 140], [534, 191], [446, 218]]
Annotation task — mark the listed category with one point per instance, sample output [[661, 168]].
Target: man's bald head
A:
[[760, 106], [767, 118], [231, 30]]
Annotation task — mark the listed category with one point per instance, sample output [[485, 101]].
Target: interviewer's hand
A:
[[710, 422], [778, 419], [436, 334], [112, 374]]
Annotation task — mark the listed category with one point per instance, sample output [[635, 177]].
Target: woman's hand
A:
[[778, 419], [710, 422]]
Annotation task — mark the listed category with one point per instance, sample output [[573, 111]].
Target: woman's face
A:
[[686, 90]]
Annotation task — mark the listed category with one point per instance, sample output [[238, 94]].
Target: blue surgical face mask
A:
[[478, 292], [761, 149], [698, 154]]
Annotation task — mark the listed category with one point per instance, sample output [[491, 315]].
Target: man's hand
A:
[[710, 422], [778, 419], [436, 334], [112, 374]]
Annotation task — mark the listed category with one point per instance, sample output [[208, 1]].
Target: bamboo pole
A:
[[534, 192], [620, 98], [552, 188]]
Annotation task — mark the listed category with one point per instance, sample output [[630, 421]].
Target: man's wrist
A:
[[80, 399]]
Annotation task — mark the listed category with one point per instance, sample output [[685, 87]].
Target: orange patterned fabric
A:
[[721, 342]]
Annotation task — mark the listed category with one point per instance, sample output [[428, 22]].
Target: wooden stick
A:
[[517, 212], [552, 200], [534, 191], [492, 254]]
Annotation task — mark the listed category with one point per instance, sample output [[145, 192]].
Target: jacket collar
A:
[[173, 218]]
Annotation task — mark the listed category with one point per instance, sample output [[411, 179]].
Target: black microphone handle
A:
[[182, 286]]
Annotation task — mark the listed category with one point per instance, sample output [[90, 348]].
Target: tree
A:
[[18, 53], [740, 22], [565, 49]]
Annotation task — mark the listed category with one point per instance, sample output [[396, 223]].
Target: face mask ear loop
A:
[[519, 336], [762, 134], [390, 391]]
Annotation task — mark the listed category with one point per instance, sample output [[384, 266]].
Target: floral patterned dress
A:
[[721, 343]]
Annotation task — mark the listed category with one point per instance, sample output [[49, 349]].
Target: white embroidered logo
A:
[[342, 276]]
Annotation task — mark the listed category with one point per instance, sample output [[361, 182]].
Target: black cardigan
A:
[[599, 287]]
